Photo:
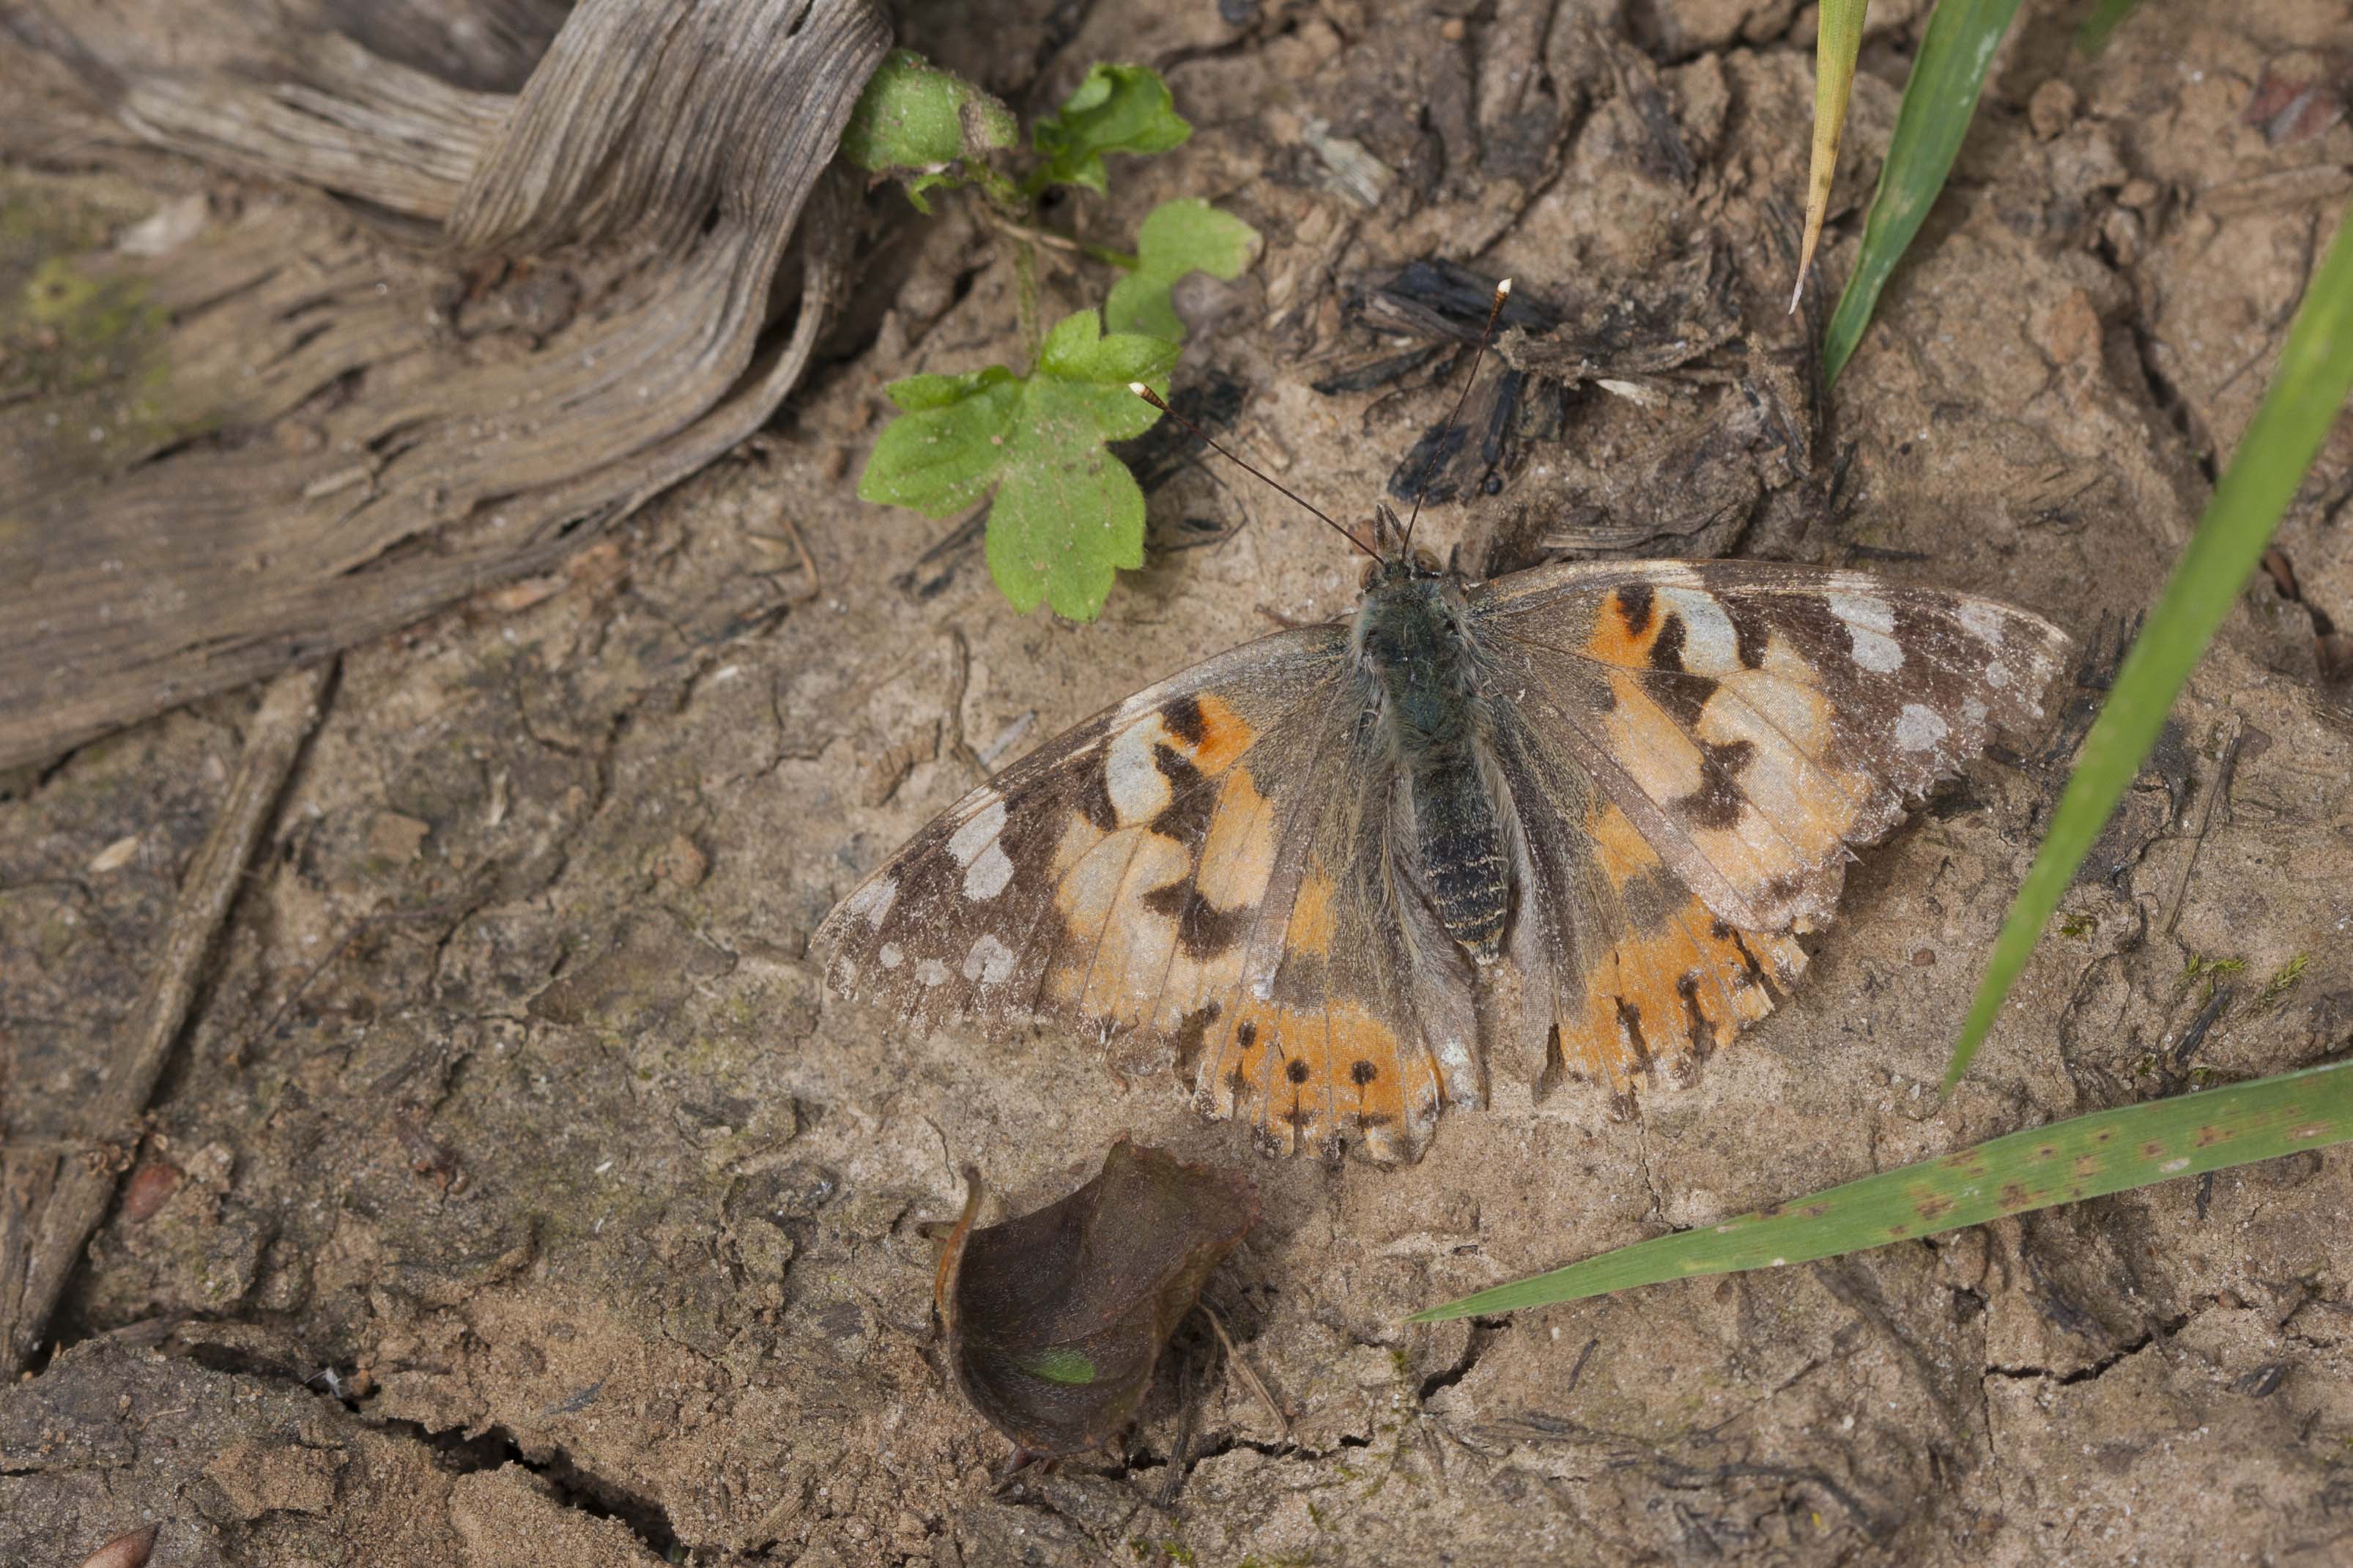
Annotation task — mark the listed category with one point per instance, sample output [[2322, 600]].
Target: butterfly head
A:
[[1398, 560]]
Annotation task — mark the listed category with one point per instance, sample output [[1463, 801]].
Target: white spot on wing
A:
[[890, 955], [978, 833], [1982, 619], [1973, 712], [987, 876], [1997, 677], [930, 972], [989, 962], [1138, 789], [1709, 645], [1869, 623], [873, 901], [1919, 727]]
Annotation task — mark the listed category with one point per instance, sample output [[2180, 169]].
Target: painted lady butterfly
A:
[[1575, 812]]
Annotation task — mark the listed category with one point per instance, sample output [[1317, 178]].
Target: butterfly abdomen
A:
[[1411, 640]]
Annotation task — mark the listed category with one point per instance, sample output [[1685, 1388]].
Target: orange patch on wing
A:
[[1116, 947], [1225, 735], [1305, 1075], [1237, 852], [1664, 761], [1621, 849], [1673, 994], [1312, 920], [1614, 641]]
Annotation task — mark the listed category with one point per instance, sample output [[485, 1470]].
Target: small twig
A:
[[2221, 788], [1054, 239], [1242, 1369], [2195, 1036], [955, 744], [792, 536], [55, 1203]]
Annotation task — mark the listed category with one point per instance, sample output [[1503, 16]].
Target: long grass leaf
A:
[[1939, 99], [2316, 370], [1837, 41], [2083, 1157], [2093, 35]]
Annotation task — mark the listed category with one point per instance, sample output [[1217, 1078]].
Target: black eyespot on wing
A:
[[1297, 1071], [1245, 1034], [1363, 1073]]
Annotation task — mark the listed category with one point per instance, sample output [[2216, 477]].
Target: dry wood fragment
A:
[[54, 1199], [283, 424]]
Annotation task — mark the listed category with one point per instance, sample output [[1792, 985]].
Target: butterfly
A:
[[1576, 815]]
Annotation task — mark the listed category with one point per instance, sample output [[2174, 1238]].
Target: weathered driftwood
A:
[[242, 433]]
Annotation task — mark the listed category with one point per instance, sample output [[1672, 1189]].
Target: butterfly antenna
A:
[[1153, 398], [1430, 468]]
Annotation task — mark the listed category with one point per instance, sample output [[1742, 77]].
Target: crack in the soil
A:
[[1484, 1332], [573, 1485], [2124, 1353]]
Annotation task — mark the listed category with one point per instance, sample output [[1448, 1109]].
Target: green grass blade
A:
[[2094, 34], [1939, 101], [1838, 39], [2316, 370], [2083, 1157]]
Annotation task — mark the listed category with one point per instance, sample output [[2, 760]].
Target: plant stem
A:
[[1055, 239]]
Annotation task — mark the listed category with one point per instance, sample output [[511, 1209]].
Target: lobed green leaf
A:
[[2082, 1157], [920, 123], [944, 452], [1178, 238], [1068, 515], [1117, 108]]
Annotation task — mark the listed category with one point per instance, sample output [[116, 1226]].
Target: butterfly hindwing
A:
[[1352, 1019]]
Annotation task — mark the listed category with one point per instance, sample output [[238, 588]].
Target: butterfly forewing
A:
[[1751, 719], [1122, 857]]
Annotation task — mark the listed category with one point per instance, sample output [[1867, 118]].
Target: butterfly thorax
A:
[[1412, 642]]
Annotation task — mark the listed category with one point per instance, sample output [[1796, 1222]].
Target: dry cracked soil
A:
[[515, 1195]]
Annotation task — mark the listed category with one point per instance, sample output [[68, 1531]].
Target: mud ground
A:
[[516, 1197]]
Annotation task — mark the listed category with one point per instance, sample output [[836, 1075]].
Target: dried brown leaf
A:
[[1054, 1320]]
